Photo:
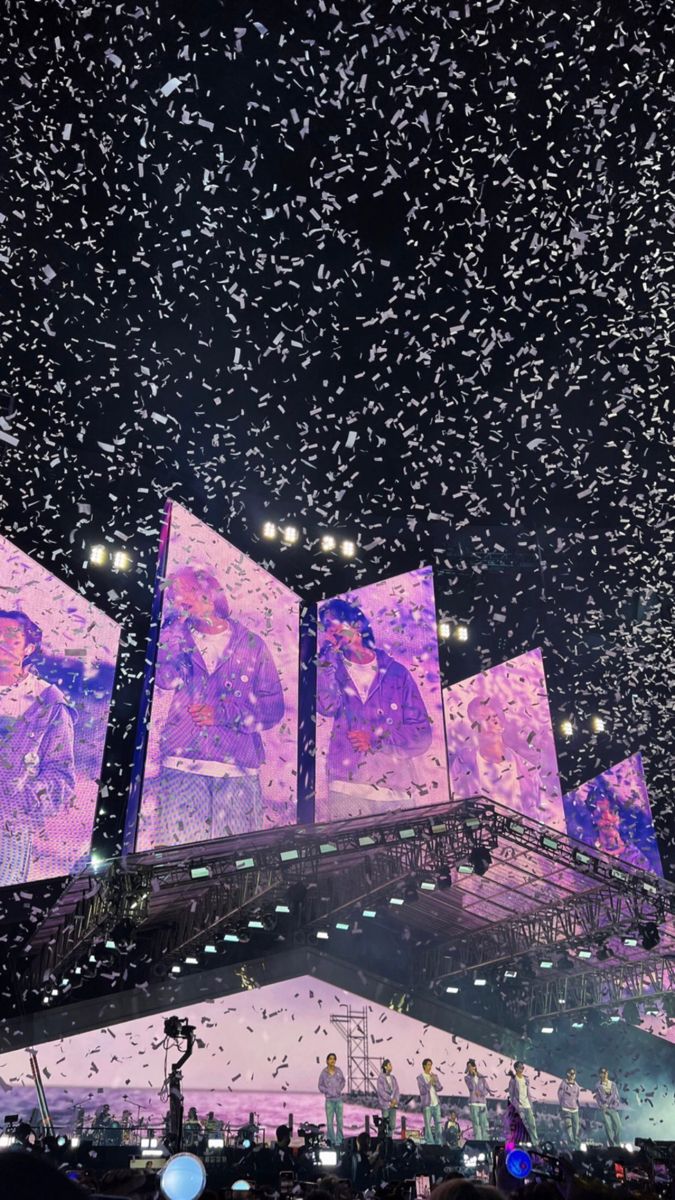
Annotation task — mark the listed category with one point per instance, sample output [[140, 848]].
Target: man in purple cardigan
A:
[[607, 1100], [388, 1096], [519, 1098], [331, 1086], [568, 1099], [478, 1093], [430, 1102]]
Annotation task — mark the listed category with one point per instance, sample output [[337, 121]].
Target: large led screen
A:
[[57, 663], [612, 813], [222, 741], [500, 739], [379, 739], [261, 1051]]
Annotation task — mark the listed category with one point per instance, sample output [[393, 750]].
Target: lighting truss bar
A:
[[601, 988]]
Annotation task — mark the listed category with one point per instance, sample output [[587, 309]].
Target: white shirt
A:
[[16, 699], [522, 1091], [433, 1098], [211, 646], [363, 676]]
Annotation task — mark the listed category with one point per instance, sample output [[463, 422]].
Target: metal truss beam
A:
[[606, 988]]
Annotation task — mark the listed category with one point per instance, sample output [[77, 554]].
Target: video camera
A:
[[178, 1027]]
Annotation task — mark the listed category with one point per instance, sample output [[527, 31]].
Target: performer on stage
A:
[[568, 1099], [331, 1086], [429, 1088], [478, 1092], [192, 1129], [380, 723], [388, 1096], [452, 1132], [607, 1099], [519, 1098]]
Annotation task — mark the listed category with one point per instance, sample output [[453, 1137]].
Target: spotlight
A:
[[368, 912], [444, 629], [547, 1029], [650, 935], [546, 964], [191, 961], [210, 948], [578, 1023], [289, 535], [615, 1018], [631, 941], [98, 555], [583, 953], [462, 633], [479, 982], [328, 543], [510, 974], [183, 1177], [597, 725], [452, 989], [480, 859], [269, 530], [347, 549], [121, 560], [200, 873], [566, 728], [322, 935], [397, 901]]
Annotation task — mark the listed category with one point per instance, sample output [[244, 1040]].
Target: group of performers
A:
[[521, 1120]]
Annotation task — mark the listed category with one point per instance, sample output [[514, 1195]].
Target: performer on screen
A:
[[331, 1086], [521, 1102], [429, 1089], [388, 1096], [380, 723], [568, 1099], [609, 1103], [226, 694], [479, 1091], [37, 765]]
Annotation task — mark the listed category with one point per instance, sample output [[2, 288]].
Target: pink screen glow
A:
[[222, 756], [612, 813], [380, 740], [500, 739], [57, 664]]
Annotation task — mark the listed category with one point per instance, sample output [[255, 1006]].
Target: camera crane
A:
[[178, 1030]]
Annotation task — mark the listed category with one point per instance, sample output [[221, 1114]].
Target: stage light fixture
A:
[[406, 834], [427, 885], [630, 940], [452, 989], [342, 926], [328, 543], [98, 555], [322, 935], [516, 827], [397, 901], [244, 864], [210, 948], [582, 859], [462, 633], [348, 549], [191, 961], [465, 869], [368, 912], [175, 970], [121, 560], [231, 937], [584, 953], [549, 843], [510, 974], [597, 724], [479, 981], [365, 840], [547, 1029], [328, 848], [255, 923], [578, 1024], [269, 530], [437, 827], [481, 859], [289, 535], [289, 855], [650, 935], [110, 944], [444, 629], [615, 1018], [566, 728], [200, 872], [546, 964], [281, 908]]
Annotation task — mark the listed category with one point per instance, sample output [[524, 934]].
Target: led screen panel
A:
[[500, 739], [222, 741], [379, 737], [612, 813], [57, 664]]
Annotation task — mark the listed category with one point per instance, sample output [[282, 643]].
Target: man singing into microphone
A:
[[380, 723], [429, 1087], [388, 1096], [478, 1093]]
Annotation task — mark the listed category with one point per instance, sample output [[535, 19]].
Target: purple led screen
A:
[[380, 740], [57, 664], [500, 739], [612, 813], [222, 742]]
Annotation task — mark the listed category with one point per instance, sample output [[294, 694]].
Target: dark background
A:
[[443, 230]]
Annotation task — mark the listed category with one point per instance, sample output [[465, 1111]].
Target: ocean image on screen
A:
[[613, 814], [380, 740], [222, 743], [57, 664], [500, 739]]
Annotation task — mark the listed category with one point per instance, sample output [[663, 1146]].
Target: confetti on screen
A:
[[612, 813]]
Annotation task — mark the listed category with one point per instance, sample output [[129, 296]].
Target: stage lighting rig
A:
[[480, 859]]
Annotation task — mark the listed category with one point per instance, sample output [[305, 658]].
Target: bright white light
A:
[[74, 1142], [183, 1177], [369, 912], [547, 1029], [98, 555], [444, 629], [209, 949], [597, 725], [328, 542], [479, 982], [121, 560], [583, 1146], [269, 530], [175, 970], [216, 1143], [322, 935], [462, 633], [348, 549], [566, 728], [192, 961], [452, 990], [6, 1139], [290, 535]]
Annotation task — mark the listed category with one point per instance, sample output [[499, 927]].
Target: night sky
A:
[[397, 270]]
